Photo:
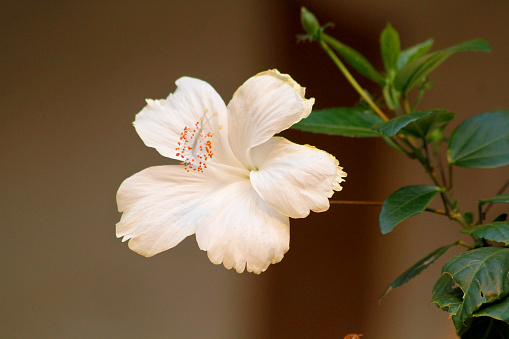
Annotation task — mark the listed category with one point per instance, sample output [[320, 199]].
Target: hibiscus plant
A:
[[235, 184], [474, 285]]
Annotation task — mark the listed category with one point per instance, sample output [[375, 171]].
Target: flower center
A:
[[195, 144]]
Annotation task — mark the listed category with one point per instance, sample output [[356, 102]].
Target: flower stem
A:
[[351, 79]]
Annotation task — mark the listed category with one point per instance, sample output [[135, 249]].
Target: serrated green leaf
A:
[[413, 72], [417, 268], [499, 198], [428, 123], [404, 203], [349, 122], [496, 231], [390, 46], [498, 310], [484, 328], [446, 296], [393, 126], [481, 141], [410, 54], [354, 59], [483, 276]]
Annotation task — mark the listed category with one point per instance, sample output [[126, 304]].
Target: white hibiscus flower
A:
[[237, 184]]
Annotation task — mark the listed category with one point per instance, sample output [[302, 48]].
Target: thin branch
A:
[[500, 191], [351, 79]]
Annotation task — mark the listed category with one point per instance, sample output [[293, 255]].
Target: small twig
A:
[[351, 79], [432, 210]]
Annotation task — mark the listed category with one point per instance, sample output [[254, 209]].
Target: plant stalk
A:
[[351, 79]]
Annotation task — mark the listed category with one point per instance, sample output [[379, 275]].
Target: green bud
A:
[[309, 21]]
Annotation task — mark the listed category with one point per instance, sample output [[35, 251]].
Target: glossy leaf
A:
[[428, 123], [354, 59], [393, 126], [499, 198], [483, 276], [499, 310], [496, 231], [485, 328], [413, 72], [481, 141], [446, 296], [404, 203], [417, 268], [390, 46], [349, 122], [410, 54]]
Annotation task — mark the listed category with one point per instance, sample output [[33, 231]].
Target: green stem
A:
[[480, 212], [418, 99], [432, 210], [407, 106], [500, 191], [461, 243], [351, 79], [449, 187]]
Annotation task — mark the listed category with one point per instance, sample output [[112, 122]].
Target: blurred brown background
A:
[[74, 74]]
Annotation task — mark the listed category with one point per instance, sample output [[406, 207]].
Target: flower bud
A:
[[309, 21]]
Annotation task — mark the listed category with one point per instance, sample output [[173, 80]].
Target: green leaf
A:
[[481, 141], [349, 122], [428, 123], [413, 72], [468, 217], [501, 217], [393, 126], [412, 53], [496, 231], [446, 296], [417, 124], [404, 203], [484, 328], [417, 268], [390, 46], [498, 310], [491, 321], [483, 276], [354, 59], [499, 198]]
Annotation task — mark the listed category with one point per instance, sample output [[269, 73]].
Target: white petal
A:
[[264, 105], [244, 232], [162, 205], [195, 105], [293, 178]]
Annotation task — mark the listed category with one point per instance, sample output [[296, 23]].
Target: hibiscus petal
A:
[[264, 105], [161, 206], [294, 178], [194, 107], [244, 232]]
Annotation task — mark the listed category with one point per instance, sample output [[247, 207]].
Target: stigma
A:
[[195, 144]]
